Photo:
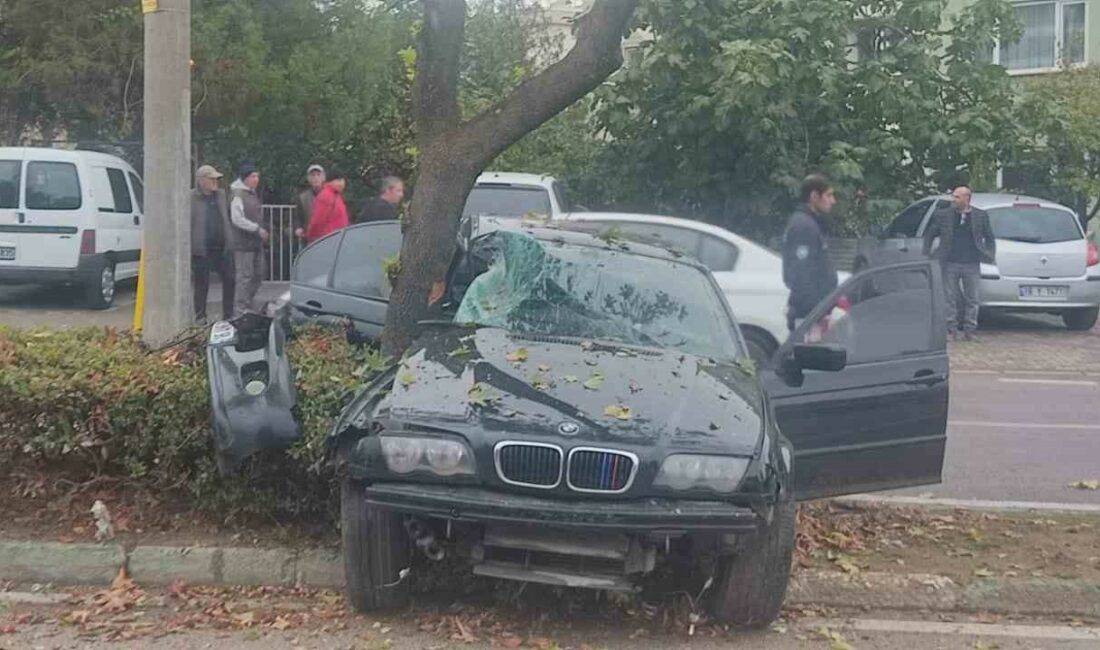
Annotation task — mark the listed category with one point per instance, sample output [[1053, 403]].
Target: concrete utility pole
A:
[[167, 245]]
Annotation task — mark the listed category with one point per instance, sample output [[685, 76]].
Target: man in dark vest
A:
[[209, 223], [247, 237], [966, 241]]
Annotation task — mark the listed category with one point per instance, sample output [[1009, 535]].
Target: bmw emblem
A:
[[1044, 259], [568, 428]]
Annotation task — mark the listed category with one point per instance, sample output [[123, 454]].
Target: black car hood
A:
[[486, 381]]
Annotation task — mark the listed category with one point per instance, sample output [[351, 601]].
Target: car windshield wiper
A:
[[1027, 239]]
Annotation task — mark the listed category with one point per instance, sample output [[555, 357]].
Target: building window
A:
[[1054, 34]]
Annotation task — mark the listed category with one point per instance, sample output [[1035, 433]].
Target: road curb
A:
[[93, 564], [866, 501], [1006, 596]]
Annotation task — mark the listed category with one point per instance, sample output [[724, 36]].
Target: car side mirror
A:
[[878, 230], [820, 356]]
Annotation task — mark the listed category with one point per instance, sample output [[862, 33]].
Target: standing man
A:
[[329, 212], [384, 207], [316, 177], [209, 225], [807, 270], [246, 237], [966, 241]]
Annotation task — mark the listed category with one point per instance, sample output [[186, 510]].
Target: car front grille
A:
[[529, 464], [601, 470]]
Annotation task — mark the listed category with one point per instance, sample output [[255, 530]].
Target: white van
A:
[[69, 217]]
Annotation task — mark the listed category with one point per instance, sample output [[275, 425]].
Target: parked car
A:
[[586, 409], [69, 217], [1044, 262], [750, 274], [512, 194]]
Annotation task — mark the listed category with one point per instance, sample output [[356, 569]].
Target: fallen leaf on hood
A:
[[1086, 485], [519, 355], [587, 345], [570, 379], [540, 382], [481, 395], [460, 352], [618, 411], [544, 368], [406, 378], [634, 387], [595, 381]]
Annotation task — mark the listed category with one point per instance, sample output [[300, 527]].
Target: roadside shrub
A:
[[96, 403]]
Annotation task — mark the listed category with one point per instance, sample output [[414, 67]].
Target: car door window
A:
[[680, 240], [717, 254], [314, 266], [139, 191], [559, 194], [886, 315], [53, 186], [908, 222], [119, 191], [10, 171], [360, 268], [101, 190]]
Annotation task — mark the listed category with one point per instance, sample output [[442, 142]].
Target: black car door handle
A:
[[927, 378], [137, 220], [313, 303]]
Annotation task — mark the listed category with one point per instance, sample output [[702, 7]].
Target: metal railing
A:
[[283, 246]]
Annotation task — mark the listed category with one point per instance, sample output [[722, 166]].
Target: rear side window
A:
[[359, 267], [139, 191], [717, 254], [907, 223], [1034, 224], [52, 186], [119, 191], [314, 265], [507, 201], [679, 240], [9, 183]]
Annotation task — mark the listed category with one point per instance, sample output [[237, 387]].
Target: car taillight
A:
[[87, 243], [1093, 255]]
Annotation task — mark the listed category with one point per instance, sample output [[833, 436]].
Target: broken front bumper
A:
[[653, 517]]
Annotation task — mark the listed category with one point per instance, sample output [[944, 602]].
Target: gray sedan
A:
[[1044, 262]]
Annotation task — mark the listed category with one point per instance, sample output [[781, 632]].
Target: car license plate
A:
[[1044, 292], [7, 253]]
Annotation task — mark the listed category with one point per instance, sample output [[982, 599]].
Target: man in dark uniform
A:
[[966, 241], [807, 270], [386, 205]]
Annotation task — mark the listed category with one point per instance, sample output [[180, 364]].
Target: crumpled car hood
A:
[[485, 381]]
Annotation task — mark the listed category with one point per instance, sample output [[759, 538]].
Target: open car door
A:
[[881, 422]]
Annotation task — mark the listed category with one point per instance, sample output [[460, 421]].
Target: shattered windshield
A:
[[556, 289]]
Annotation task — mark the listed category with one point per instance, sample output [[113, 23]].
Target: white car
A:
[[749, 274], [512, 194], [69, 217]]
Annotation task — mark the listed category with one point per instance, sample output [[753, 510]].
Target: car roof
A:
[[689, 224], [987, 200], [560, 233], [51, 154], [515, 178]]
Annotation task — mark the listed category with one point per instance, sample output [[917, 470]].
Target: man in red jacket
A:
[[329, 212]]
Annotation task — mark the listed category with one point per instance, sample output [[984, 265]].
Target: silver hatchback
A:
[[1044, 262]]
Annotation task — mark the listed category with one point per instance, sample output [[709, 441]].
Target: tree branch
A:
[[596, 54], [435, 93]]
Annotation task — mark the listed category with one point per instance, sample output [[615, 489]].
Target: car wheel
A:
[[99, 293], [751, 585], [1080, 320], [376, 550], [760, 346]]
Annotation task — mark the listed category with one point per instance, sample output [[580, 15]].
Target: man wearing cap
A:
[[316, 176], [209, 221], [246, 237]]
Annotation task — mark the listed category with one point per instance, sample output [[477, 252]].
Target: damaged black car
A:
[[586, 410]]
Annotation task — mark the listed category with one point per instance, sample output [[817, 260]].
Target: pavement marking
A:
[[969, 504], [1045, 632], [1052, 382], [1021, 425]]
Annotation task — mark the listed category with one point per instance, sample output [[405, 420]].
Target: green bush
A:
[[96, 403]]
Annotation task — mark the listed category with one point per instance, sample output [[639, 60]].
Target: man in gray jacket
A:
[[247, 237], [209, 223], [966, 241]]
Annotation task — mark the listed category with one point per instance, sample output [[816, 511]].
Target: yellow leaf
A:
[[1086, 485], [519, 355], [618, 411]]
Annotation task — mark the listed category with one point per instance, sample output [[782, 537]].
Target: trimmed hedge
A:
[[98, 404]]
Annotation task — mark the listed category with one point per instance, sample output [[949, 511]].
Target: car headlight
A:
[[689, 472], [223, 333], [405, 454]]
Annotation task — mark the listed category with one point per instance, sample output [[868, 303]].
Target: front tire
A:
[[1080, 320], [376, 550], [752, 584], [99, 293]]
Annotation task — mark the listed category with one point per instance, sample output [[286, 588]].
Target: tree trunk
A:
[[453, 152]]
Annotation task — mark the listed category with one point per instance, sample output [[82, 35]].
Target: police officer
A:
[[807, 270]]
